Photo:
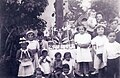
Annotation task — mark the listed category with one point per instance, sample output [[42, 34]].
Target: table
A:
[[52, 52]]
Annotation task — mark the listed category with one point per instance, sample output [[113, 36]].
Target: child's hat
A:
[[100, 25], [23, 40], [30, 32], [44, 49]]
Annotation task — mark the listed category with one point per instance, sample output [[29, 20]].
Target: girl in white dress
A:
[[83, 40], [33, 46], [24, 56], [98, 47]]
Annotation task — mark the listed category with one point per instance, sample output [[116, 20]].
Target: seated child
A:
[[67, 59], [57, 73], [58, 61], [38, 73], [61, 72], [66, 73]]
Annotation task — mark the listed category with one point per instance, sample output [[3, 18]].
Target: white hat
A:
[[23, 40], [30, 32], [44, 50], [100, 25]]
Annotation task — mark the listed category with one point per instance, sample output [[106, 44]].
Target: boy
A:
[[115, 27], [39, 73], [111, 55], [66, 73], [99, 17]]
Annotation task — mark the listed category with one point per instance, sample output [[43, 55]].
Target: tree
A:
[[75, 9], [17, 15], [107, 7]]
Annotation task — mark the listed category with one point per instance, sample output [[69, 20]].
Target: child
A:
[[66, 73], [33, 46], [39, 38], [83, 55], [99, 17], [44, 43], [91, 22], [24, 56], [115, 27], [38, 73], [57, 73], [58, 61], [84, 22], [45, 61], [67, 59], [111, 56], [98, 46], [77, 29]]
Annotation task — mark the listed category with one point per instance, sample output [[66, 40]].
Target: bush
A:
[[108, 8]]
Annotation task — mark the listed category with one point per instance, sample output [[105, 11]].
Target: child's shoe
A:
[[95, 72], [81, 75], [86, 75]]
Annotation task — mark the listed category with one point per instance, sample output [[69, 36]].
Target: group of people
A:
[[97, 46], [97, 41], [35, 62], [102, 50]]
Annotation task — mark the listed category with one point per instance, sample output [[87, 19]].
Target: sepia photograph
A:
[[59, 38]]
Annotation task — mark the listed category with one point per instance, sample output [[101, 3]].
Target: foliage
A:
[[19, 15], [23, 13], [75, 9], [16, 16], [108, 8]]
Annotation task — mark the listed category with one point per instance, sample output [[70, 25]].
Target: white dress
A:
[[45, 65], [34, 47], [83, 54], [99, 42], [25, 70]]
